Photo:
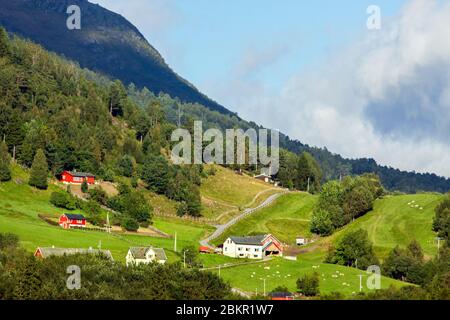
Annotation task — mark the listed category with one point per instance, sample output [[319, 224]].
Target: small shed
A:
[[301, 241]]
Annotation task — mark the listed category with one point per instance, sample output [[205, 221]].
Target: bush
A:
[[309, 285], [94, 212], [8, 240], [63, 200], [99, 195], [130, 224], [353, 246], [84, 186], [126, 166]]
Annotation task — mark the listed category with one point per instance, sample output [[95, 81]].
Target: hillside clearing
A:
[[287, 218]]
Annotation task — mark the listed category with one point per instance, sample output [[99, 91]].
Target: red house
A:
[[68, 221], [71, 177]]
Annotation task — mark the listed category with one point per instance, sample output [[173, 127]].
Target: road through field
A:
[[222, 228]]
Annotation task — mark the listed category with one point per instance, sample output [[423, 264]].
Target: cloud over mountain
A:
[[387, 96]]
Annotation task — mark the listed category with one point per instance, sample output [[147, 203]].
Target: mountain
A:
[[107, 43]]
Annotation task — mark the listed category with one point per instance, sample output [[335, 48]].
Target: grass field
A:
[[287, 218], [21, 204], [230, 188], [394, 222], [280, 272]]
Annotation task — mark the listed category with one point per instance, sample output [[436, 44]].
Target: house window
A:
[[77, 179], [256, 249], [247, 249], [239, 249], [255, 256], [79, 221]]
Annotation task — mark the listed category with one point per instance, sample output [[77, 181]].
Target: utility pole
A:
[[308, 184], [175, 243], [360, 283], [264, 280], [108, 227], [438, 245]]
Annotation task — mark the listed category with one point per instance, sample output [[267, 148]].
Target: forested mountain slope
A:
[[110, 45], [106, 43]]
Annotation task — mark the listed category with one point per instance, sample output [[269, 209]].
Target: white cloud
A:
[[387, 96]]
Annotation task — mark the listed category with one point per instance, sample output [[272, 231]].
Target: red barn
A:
[[71, 177], [68, 221]]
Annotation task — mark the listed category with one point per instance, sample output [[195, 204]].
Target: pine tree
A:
[[84, 187], [5, 160], [39, 171], [4, 42]]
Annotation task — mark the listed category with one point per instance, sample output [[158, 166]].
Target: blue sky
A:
[[313, 70], [204, 40]]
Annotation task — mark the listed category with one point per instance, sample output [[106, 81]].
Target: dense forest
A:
[[121, 52], [23, 277], [52, 118], [333, 166], [120, 126]]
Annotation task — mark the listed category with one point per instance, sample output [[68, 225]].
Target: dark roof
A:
[[75, 216], [81, 174], [280, 294], [254, 240], [140, 252]]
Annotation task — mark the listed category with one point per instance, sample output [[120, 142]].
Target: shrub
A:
[[8, 240], [353, 246], [84, 186], [130, 224], [63, 200], [99, 195], [309, 285]]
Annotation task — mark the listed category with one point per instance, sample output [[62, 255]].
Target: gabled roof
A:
[[75, 216], [253, 240], [263, 176], [80, 174], [59, 252], [140, 252]]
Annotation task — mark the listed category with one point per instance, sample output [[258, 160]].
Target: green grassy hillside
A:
[[396, 220], [287, 218], [280, 272], [21, 204]]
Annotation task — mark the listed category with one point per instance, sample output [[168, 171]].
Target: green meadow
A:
[[287, 218], [281, 272]]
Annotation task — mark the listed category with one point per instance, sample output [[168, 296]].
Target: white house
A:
[[145, 255], [255, 247]]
